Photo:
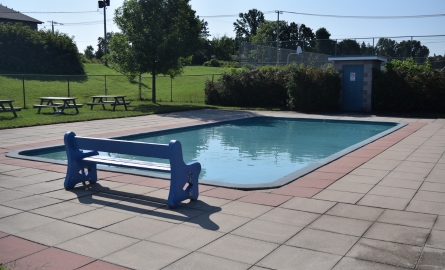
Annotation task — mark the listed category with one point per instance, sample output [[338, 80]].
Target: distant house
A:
[[8, 15]]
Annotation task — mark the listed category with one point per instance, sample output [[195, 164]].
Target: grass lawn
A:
[[186, 92]]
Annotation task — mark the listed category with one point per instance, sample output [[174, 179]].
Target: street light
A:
[[104, 4]]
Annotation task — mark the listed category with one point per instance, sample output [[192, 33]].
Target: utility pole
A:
[[103, 4], [53, 23], [278, 34]]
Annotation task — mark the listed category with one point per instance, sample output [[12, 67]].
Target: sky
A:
[[83, 20]]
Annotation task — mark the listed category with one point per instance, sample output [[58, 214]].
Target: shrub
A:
[[220, 63], [405, 86], [30, 51], [276, 87]]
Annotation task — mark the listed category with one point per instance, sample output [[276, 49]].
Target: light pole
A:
[[278, 33], [103, 4], [53, 23]]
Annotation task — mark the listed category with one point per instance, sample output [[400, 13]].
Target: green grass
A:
[[186, 93]]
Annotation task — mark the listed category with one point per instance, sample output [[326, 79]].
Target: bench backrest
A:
[[171, 151]]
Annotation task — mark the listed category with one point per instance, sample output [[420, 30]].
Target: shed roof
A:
[[10, 14]]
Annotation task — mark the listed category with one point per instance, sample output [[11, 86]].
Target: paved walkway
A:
[[380, 207]]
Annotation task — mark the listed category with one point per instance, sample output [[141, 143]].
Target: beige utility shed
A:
[[356, 76]]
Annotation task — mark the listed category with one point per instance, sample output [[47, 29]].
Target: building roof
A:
[[10, 14]]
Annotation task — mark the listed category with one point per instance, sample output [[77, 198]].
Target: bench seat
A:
[[128, 163], [17, 109]]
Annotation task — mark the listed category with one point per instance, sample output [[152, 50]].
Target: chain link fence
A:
[[27, 89]]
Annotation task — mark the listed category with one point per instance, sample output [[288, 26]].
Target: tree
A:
[[267, 32], [414, 48], [89, 52], [324, 44], [248, 24], [387, 47], [348, 47], [223, 48], [101, 45], [366, 49], [156, 36]]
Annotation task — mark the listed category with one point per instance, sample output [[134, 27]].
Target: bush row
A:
[[32, 51], [407, 87], [292, 87], [221, 63]]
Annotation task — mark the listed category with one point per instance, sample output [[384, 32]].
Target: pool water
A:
[[260, 151]]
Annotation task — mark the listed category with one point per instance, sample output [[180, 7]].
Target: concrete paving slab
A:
[[440, 223], [201, 261], [398, 234], [177, 215], [185, 237], [7, 211], [267, 231], [408, 219], [98, 200], [436, 187], [286, 257], [13, 248], [40, 188], [97, 244], [341, 225], [403, 193], [308, 205], [351, 187], [431, 258], [9, 195], [243, 209], [99, 265], [206, 203], [72, 194], [384, 202], [11, 182], [407, 176], [339, 196], [355, 212], [323, 241], [400, 183], [130, 190], [98, 218], [289, 217], [426, 207], [22, 222], [379, 251], [239, 248], [52, 258], [354, 264], [218, 221], [54, 233], [139, 227], [362, 179], [436, 239], [31, 202], [146, 255], [62, 210]]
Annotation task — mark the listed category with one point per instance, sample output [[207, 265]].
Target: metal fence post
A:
[[171, 89], [105, 84], [140, 86], [68, 77], [23, 89]]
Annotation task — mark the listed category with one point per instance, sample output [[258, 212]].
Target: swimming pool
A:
[[256, 152]]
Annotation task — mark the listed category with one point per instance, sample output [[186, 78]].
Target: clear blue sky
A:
[[87, 25]]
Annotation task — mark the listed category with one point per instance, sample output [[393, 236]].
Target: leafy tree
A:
[[387, 47], [223, 48], [205, 33], [267, 32], [101, 45], [408, 48], [348, 47], [156, 36], [248, 24], [323, 42], [366, 49], [306, 35], [89, 52]]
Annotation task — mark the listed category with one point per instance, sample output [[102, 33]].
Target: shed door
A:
[[352, 87]]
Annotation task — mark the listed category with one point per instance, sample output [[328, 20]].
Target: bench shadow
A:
[[197, 212]]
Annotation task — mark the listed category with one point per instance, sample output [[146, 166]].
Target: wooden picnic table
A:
[[10, 108], [66, 103], [103, 100]]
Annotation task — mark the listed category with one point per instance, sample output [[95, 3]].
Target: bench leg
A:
[[80, 173], [188, 178]]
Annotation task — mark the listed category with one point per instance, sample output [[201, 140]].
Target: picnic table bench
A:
[[11, 108], [117, 100], [82, 164], [67, 103]]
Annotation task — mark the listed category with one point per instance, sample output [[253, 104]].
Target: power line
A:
[[369, 17], [51, 12]]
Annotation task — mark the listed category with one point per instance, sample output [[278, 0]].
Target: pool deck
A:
[[379, 207]]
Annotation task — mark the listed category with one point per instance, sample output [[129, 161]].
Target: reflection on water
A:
[[261, 149]]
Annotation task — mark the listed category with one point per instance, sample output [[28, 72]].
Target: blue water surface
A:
[[261, 149]]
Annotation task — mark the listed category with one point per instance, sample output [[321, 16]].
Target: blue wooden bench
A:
[[83, 156]]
